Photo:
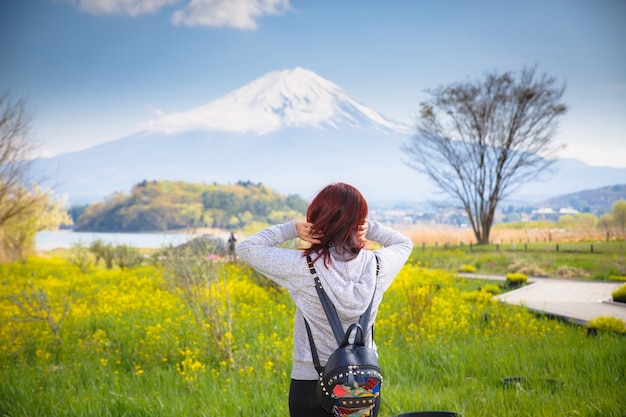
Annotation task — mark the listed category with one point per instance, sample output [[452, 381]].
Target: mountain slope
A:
[[293, 161], [598, 200], [570, 176], [293, 131], [278, 100]]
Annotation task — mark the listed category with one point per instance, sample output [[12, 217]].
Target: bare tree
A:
[[479, 141], [16, 148]]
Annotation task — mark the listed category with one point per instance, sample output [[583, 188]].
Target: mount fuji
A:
[[295, 98], [291, 130]]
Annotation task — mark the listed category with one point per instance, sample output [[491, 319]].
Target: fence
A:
[[564, 247]]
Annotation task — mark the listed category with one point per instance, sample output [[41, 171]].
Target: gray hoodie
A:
[[349, 282]]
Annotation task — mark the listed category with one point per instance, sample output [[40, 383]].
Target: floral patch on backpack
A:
[[356, 401]]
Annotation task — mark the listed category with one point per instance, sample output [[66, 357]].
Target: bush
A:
[[104, 251], [467, 268], [526, 268], [565, 271], [194, 275], [619, 295], [79, 256], [491, 289], [606, 323], [479, 297], [127, 256], [515, 279]]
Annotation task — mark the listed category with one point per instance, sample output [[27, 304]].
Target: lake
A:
[[48, 240]]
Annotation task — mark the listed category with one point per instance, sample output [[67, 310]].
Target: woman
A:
[[336, 228]]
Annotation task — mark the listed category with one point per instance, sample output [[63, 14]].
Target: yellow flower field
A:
[[130, 342]]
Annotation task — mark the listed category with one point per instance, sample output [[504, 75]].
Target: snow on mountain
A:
[[293, 131], [280, 99]]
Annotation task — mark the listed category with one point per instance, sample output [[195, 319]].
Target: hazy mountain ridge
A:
[[293, 161], [597, 201], [569, 176], [291, 130]]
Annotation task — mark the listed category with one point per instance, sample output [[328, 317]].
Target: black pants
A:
[[303, 400]]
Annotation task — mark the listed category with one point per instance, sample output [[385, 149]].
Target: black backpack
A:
[[350, 382]]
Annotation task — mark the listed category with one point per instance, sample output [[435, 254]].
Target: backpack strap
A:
[[365, 317], [316, 359], [329, 308], [332, 316]]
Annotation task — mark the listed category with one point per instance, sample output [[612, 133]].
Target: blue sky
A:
[[93, 70]]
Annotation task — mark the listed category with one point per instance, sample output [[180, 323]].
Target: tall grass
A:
[[522, 232], [572, 260], [131, 346]]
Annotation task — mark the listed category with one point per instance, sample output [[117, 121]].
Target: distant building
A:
[[544, 211], [547, 213]]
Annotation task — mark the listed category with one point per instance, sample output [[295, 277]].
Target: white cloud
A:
[[240, 14], [122, 7]]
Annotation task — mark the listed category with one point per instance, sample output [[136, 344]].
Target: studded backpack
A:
[[349, 383]]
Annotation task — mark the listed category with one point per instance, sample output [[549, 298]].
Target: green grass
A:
[[467, 375], [130, 346], [572, 260]]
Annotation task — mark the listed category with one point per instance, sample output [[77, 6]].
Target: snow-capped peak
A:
[[290, 98]]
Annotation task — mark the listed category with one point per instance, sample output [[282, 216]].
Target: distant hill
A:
[[597, 201], [154, 206]]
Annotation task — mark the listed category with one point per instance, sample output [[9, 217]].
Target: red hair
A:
[[338, 211]]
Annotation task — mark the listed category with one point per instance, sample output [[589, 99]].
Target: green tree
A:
[[619, 214], [296, 202], [606, 221], [578, 221], [46, 212], [566, 222], [586, 220], [479, 141], [25, 208]]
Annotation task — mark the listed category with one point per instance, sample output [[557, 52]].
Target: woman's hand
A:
[[362, 232], [306, 232]]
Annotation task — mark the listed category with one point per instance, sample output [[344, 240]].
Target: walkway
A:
[[575, 300]]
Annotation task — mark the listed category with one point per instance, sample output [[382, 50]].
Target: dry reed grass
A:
[[452, 235]]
